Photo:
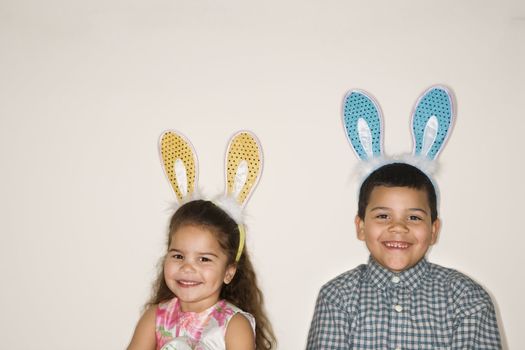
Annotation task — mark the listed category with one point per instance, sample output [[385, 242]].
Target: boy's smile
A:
[[397, 227]]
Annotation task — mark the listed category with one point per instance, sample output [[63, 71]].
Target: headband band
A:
[[242, 239]]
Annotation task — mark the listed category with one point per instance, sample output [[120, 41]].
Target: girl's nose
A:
[[187, 267]]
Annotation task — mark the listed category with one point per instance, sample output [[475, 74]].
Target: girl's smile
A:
[[196, 268]]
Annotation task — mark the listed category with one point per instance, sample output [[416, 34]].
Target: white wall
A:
[[86, 88]]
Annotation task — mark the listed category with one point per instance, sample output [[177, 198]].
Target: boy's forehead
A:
[[383, 193]]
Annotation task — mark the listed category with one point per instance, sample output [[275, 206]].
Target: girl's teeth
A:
[[188, 283]]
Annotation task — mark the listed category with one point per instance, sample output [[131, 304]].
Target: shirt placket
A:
[[399, 313]]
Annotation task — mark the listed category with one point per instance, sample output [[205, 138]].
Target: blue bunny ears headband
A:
[[243, 168], [432, 121]]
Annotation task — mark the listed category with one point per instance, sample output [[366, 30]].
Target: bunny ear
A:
[[432, 121], [363, 124], [179, 162], [243, 166]]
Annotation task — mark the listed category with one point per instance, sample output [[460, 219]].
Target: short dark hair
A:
[[397, 175]]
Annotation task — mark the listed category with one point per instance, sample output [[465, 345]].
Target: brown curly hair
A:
[[242, 291]]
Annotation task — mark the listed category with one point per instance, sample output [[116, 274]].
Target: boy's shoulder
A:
[[443, 283], [342, 287], [461, 290], [452, 278]]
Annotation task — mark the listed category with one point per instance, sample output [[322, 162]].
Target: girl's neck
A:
[[196, 307]]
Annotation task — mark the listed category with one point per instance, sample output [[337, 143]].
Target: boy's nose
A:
[[398, 226]]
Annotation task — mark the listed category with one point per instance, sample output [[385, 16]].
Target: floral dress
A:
[[179, 330]]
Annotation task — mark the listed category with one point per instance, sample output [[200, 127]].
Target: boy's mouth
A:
[[396, 244]]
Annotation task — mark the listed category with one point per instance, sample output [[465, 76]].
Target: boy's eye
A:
[[382, 216], [205, 259], [414, 218], [177, 256]]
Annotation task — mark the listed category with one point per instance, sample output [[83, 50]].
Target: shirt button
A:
[[396, 279], [398, 308]]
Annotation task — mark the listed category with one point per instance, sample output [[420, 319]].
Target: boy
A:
[[399, 300]]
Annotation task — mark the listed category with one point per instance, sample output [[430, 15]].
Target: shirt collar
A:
[[382, 278]]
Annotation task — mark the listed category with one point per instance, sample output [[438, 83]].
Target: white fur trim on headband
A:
[[365, 168], [231, 207], [196, 195]]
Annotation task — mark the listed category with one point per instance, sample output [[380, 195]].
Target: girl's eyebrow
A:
[[207, 253], [198, 253]]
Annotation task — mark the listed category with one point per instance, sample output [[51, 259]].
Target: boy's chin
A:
[[397, 266]]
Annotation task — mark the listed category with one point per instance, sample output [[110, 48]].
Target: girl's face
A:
[[196, 267]]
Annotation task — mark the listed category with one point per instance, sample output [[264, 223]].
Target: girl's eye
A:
[[177, 257], [205, 259]]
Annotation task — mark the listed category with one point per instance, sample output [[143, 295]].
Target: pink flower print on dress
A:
[[221, 312], [193, 324], [171, 314]]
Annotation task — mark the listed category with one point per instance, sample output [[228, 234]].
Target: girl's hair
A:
[[242, 291]]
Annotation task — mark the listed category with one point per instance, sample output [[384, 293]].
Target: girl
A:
[[206, 295], [201, 291]]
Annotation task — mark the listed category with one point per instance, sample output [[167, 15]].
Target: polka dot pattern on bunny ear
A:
[[438, 103], [172, 147], [358, 105], [243, 147]]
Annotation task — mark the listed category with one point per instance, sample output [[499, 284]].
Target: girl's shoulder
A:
[[240, 330], [227, 311], [144, 335], [167, 304]]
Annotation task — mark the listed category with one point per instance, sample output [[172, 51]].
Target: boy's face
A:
[[397, 227]]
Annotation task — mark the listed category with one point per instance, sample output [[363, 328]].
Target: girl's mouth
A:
[[187, 284]]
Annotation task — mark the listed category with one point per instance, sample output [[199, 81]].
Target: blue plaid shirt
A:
[[424, 307]]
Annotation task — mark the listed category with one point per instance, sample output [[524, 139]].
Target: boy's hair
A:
[[397, 175], [242, 291]]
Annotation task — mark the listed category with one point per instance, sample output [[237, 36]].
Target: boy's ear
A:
[[436, 226], [230, 273], [359, 228]]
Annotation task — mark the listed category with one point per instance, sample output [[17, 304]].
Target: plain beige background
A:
[[87, 87]]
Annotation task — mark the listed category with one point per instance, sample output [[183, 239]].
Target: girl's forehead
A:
[[194, 237]]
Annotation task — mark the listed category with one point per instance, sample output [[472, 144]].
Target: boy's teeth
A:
[[396, 244]]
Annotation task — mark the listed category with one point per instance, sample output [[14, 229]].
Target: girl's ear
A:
[[179, 162], [432, 121], [244, 161], [363, 122], [230, 273]]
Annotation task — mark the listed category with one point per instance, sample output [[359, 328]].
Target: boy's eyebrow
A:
[[379, 208], [419, 209], [410, 209]]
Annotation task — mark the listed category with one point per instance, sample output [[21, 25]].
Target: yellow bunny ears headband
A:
[[243, 167]]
